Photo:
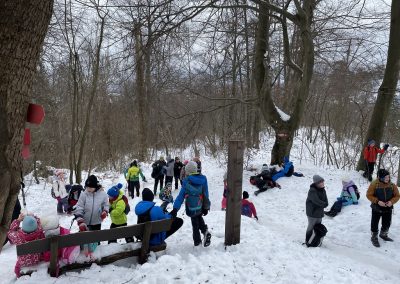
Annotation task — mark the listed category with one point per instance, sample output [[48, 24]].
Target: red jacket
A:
[[245, 202], [370, 153], [17, 237]]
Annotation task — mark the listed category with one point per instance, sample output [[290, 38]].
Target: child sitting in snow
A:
[[348, 196], [248, 208], [263, 181], [166, 196], [51, 227], [30, 230]]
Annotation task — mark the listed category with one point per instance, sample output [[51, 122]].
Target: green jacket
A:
[[117, 210], [133, 174]]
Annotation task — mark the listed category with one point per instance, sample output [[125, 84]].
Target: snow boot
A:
[[330, 213], [384, 235], [374, 239], [207, 239]]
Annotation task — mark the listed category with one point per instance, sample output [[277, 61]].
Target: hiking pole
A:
[[23, 192]]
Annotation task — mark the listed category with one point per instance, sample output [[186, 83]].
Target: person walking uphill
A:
[[194, 192], [315, 204], [382, 194], [132, 177], [92, 207], [370, 152], [158, 173]]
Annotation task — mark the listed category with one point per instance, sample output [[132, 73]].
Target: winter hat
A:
[[317, 179], [161, 158], [245, 195], [50, 222], [371, 141], [382, 173], [185, 162], [29, 224], [92, 182], [134, 163], [264, 167], [177, 159], [114, 191], [147, 195], [191, 168], [168, 185], [346, 179]]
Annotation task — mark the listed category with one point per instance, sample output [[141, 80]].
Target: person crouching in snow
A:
[[146, 210], [248, 208], [92, 205], [166, 196], [194, 192], [382, 194], [117, 209], [31, 230], [315, 204], [51, 227], [348, 196]]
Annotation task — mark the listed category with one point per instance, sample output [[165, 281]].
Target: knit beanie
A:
[[346, 179], [161, 158], [29, 224], [371, 141], [92, 182], [50, 222], [382, 173], [147, 195], [191, 168], [245, 195], [317, 179], [114, 190]]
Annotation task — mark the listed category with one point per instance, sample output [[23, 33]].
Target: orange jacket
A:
[[370, 153]]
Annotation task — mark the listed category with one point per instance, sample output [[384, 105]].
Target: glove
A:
[[173, 212], [385, 147], [103, 215], [205, 212]]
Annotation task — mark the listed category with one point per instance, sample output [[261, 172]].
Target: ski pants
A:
[[198, 226], [386, 220], [311, 223]]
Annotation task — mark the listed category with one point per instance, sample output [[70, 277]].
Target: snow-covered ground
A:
[[270, 250]]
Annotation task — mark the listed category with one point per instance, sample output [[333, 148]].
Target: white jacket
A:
[[59, 189]]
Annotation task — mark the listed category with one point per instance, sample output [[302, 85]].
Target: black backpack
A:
[[356, 191], [157, 169], [319, 232]]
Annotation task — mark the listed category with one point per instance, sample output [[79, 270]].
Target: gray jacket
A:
[[170, 168], [91, 205], [316, 202]]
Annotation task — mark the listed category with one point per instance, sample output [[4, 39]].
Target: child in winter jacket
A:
[[166, 196], [248, 208], [132, 177], [31, 230], [59, 192], [51, 227], [117, 209], [73, 196], [348, 196]]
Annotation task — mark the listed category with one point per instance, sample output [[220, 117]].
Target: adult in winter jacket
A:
[[59, 192], [132, 177], [347, 197], [169, 170], [178, 165], [315, 204], [92, 205], [370, 153], [183, 170], [22, 230], [248, 208], [382, 194], [117, 209], [158, 173], [148, 207], [190, 186]]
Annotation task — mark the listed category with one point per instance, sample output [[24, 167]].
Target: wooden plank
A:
[[54, 256], [81, 238], [234, 199], [145, 243]]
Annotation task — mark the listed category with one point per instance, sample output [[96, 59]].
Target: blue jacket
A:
[[348, 194], [196, 179], [156, 213]]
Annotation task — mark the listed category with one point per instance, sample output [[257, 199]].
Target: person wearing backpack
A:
[[194, 192], [73, 196], [147, 210], [370, 153], [158, 173], [132, 177], [117, 209], [348, 196], [248, 208], [315, 204], [383, 194]]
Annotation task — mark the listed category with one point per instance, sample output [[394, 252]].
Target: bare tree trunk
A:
[[388, 87], [23, 26]]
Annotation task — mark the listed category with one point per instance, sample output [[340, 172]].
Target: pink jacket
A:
[[253, 212], [17, 237], [67, 255]]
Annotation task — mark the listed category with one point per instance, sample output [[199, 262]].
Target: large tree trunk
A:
[[23, 26], [388, 87]]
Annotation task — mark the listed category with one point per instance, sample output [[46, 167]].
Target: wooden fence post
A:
[[145, 243], [234, 198], [53, 268]]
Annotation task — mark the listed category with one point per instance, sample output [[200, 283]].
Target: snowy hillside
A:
[[270, 250]]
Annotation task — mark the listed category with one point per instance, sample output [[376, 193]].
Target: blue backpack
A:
[[246, 211], [194, 199]]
